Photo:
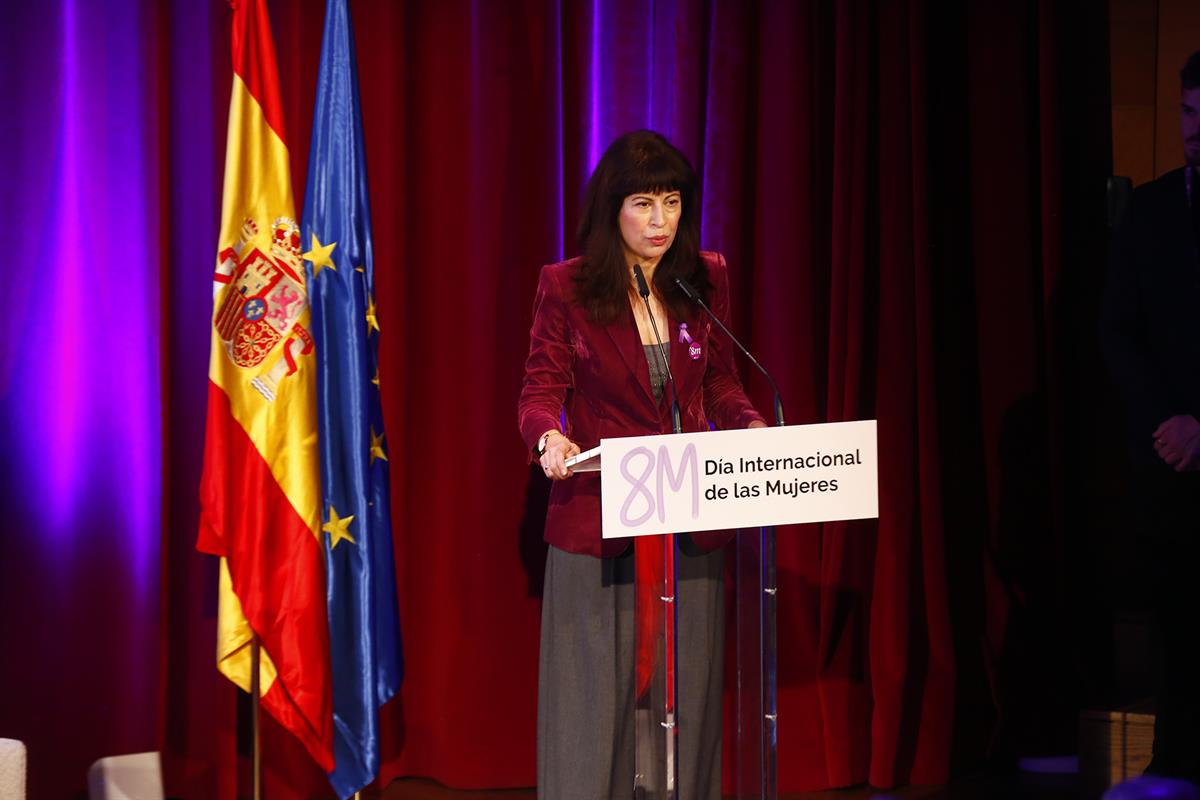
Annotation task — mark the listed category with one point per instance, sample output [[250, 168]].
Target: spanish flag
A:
[[260, 490]]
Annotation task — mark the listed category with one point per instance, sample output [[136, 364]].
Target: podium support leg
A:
[[756, 701], [656, 724]]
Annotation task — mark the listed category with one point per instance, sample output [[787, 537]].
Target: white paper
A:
[[587, 461]]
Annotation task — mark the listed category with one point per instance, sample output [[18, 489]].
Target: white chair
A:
[[132, 777], [12, 769]]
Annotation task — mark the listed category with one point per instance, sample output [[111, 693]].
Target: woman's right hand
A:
[[553, 460]]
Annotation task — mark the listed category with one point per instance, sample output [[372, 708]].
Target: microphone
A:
[[693, 295], [644, 291]]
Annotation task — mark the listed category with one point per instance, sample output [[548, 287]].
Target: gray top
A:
[[658, 375]]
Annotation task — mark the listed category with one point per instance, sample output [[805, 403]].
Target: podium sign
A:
[[714, 480]]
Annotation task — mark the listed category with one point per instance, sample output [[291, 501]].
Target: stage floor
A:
[[980, 786]]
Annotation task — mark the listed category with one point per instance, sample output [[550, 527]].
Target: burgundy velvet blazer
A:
[[599, 375]]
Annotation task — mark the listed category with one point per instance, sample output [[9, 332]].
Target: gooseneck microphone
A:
[[693, 295], [644, 291]]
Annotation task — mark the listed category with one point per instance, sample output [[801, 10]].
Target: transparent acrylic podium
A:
[[842, 454], [656, 720]]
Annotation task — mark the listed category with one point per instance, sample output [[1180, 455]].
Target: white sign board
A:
[[715, 480]]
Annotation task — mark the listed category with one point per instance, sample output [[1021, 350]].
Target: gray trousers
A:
[[585, 743]]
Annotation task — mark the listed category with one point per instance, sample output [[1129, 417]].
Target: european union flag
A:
[[364, 626]]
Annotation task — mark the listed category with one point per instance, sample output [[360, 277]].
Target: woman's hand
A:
[[558, 449], [1177, 442], [757, 424]]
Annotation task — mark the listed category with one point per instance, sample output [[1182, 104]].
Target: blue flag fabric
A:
[[364, 625]]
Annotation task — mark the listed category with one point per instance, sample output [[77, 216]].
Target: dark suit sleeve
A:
[[548, 368], [725, 400], [1123, 334]]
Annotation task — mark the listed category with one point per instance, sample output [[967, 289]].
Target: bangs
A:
[[654, 175]]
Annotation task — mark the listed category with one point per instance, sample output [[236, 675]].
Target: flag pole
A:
[[255, 754]]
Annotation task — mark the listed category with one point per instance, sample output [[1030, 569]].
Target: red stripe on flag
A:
[[254, 59], [278, 575]]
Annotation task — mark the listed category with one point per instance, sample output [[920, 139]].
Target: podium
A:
[[657, 487]]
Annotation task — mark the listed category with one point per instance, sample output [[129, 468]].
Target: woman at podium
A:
[[595, 370]]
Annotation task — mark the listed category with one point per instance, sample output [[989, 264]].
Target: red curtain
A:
[[905, 192]]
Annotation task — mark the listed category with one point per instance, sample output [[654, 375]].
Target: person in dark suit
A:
[[1151, 337], [594, 371]]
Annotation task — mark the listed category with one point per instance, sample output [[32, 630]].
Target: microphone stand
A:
[[644, 291], [694, 296], [669, 608], [757, 601]]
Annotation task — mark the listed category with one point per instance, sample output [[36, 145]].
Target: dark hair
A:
[[1189, 76], [641, 161]]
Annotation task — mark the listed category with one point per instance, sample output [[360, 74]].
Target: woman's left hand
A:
[[758, 423]]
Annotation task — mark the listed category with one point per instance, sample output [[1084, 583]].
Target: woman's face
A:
[[648, 222]]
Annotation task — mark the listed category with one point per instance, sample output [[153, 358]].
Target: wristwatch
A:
[[542, 442]]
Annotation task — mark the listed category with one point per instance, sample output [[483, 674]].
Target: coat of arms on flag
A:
[[259, 298]]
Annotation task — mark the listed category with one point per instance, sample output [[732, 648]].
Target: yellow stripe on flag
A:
[[252, 169], [233, 639]]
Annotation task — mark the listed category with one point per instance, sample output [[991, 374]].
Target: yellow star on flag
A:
[[319, 255], [375, 380], [372, 320], [377, 447], [338, 528]]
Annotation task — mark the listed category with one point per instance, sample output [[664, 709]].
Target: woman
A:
[[594, 364]]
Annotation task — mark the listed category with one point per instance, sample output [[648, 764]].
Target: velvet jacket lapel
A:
[[624, 335]]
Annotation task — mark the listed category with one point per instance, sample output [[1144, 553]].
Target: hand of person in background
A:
[[1177, 442], [757, 424], [558, 449]]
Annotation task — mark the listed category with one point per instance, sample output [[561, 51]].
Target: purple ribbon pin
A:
[[694, 351]]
